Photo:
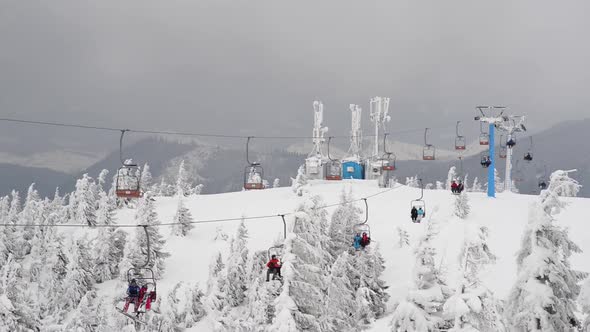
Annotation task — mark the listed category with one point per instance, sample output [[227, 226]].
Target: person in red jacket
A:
[[274, 267], [454, 187]]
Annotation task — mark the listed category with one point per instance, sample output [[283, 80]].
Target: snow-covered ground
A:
[[505, 216]]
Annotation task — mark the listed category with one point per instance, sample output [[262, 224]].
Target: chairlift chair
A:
[[528, 156], [333, 166], [388, 159], [419, 202], [127, 183], [253, 173], [484, 138], [363, 228], [459, 139], [429, 151], [276, 251]]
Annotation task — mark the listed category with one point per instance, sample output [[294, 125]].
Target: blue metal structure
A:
[[352, 170], [492, 168]]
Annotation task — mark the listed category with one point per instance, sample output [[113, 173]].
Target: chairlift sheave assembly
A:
[[253, 172], [128, 183], [429, 151]]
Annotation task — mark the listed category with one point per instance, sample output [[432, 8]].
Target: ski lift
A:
[[485, 160], [502, 153], [364, 228], [484, 138], [511, 142], [419, 203], [528, 156], [127, 182], [388, 159], [333, 166], [277, 251], [429, 151], [145, 278], [253, 173], [459, 139]]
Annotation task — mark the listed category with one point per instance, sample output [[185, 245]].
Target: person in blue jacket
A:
[[421, 214], [357, 241]]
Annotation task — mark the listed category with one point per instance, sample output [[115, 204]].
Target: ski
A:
[[137, 320]]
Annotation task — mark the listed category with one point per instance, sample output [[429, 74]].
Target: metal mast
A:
[[379, 108], [318, 130], [514, 124], [355, 132]]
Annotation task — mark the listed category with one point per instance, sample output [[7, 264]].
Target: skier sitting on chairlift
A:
[[274, 268], [486, 161], [511, 143], [414, 214], [365, 240], [357, 241], [133, 293], [454, 187], [528, 156], [421, 214], [460, 187]]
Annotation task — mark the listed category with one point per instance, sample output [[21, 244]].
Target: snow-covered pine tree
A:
[[145, 182], [422, 309], [440, 185], [403, 236], [584, 302], [276, 183], [412, 181], [17, 310], [462, 207], [300, 181], [14, 235], [261, 294], [307, 267], [476, 188], [236, 283], [451, 176], [146, 215], [370, 294], [78, 279], [182, 180], [498, 181], [216, 299], [182, 220], [340, 297], [106, 209], [86, 317], [473, 306], [429, 186], [108, 251], [341, 230], [84, 209], [185, 306], [543, 298]]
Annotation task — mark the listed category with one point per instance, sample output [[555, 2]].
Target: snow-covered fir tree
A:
[[543, 298], [300, 181], [476, 187], [341, 230], [340, 301], [17, 310], [403, 237], [145, 182], [182, 220], [236, 283], [146, 215], [440, 185], [216, 300], [79, 278], [276, 183], [182, 180], [412, 182], [498, 181], [473, 307], [184, 306], [108, 251], [84, 203], [370, 294], [422, 309], [86, 317], [462, 207], [584, 302]]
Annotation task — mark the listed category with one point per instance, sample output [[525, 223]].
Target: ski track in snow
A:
[[505, 216]]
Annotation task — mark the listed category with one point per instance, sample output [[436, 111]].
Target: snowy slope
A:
[[505, 216]]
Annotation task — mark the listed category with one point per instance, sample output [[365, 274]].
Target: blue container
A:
[[352, 170]]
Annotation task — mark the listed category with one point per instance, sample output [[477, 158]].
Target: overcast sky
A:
[[255, 67]]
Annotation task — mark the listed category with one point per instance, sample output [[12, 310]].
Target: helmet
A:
[[133, 281], [273, 256]]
